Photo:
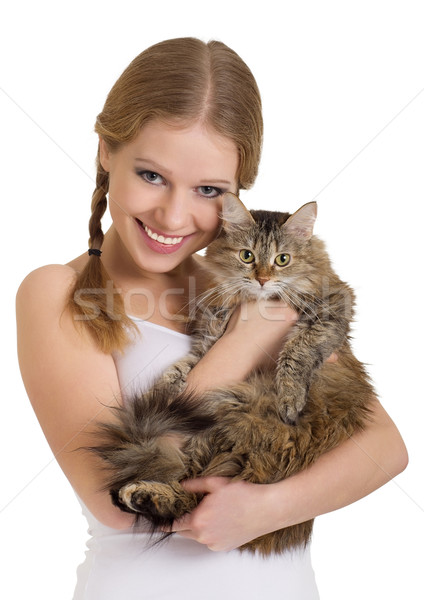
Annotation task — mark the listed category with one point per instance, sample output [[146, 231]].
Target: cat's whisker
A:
[[222, 292], [311, 305], [205, 299], [307, 308], [225, 292], [289, 295]]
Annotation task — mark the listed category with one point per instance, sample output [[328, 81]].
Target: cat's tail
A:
[[145, 439]]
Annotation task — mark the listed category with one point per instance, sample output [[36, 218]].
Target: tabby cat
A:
[[273, 424]]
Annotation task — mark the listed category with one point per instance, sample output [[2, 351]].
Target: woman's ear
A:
[[104, 154]]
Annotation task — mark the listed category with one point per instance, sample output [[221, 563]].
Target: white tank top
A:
[[121, 564]]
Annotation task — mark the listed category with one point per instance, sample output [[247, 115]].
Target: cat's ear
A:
[[301, 223], [234, 212]]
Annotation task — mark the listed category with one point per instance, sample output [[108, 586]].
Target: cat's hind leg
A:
[[159, 503]]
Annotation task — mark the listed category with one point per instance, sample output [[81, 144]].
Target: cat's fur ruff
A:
[[274, 424]]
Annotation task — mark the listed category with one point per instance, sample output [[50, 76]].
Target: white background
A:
[[343, 93]]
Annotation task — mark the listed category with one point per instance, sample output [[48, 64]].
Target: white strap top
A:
[[151, 353]]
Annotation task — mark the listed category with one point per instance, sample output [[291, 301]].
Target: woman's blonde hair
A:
[[180, 80]]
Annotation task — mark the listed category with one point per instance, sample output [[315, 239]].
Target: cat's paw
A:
[[160, 503], [291, 403], [176, 375]]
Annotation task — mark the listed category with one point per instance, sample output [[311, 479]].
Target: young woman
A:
[[180, 127]]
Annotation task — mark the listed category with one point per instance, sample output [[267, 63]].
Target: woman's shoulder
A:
[[48, 283], [53, 272]]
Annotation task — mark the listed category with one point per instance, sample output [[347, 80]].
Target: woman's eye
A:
[[151, 177], [247, 256], [282, 260], [209, 191]]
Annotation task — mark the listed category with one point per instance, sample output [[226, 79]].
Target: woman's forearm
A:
[[222, 366], [253, 339], [351, 471]]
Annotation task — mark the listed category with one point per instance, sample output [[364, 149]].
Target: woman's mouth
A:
[[160, 238], [160, 242]]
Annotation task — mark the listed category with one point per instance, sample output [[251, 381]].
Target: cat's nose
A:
[[262, 280]]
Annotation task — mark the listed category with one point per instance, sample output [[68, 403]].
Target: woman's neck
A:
[[163, 298]]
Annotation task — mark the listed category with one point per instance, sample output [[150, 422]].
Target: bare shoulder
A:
[[49, 338], [42, 298], [54, 279], [47, 329]]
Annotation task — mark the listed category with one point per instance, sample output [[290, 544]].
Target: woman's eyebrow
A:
[[211, 181], [154, 165]]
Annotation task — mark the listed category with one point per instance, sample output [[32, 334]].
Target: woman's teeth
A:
[[160, 238]]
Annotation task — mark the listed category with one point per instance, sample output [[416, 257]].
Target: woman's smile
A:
[[159, 241]]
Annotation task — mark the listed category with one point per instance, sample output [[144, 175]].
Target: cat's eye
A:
[[247, 256], [282, 260]]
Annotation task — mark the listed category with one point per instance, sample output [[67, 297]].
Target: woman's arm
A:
[[253, 339], [234, 513], [69, 381]]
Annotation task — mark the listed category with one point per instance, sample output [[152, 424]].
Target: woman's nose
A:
[[174, 212]]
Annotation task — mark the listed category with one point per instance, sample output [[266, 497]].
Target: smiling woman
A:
[[180, 127]]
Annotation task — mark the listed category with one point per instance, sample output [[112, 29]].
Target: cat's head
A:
[[265, 254]]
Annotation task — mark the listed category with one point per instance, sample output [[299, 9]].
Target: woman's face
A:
[[165, 191]]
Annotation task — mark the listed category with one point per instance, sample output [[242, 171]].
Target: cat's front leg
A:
[[159, 503], [293, 377], [176, 375], [301, 357], [208, 329]]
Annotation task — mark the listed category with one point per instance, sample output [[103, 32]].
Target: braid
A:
[[98, 207], [89, 300]]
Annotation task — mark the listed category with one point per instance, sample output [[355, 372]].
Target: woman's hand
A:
[[231, 514]]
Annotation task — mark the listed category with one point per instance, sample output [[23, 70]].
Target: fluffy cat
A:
[[270, 426]]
